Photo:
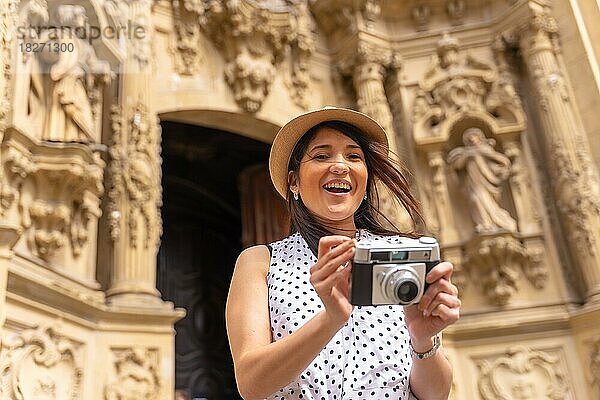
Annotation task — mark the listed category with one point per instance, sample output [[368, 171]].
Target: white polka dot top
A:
[[368, 358]]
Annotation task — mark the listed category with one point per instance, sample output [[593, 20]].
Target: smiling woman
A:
[[292, 330], [335, 149]]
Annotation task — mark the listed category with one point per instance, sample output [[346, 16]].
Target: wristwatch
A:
[[421, 356]]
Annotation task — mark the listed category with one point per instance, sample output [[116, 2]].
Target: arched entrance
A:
[[217, 199]]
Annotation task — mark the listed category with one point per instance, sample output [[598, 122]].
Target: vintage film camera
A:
[[392, 273]]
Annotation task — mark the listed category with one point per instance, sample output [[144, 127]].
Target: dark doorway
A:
[[202, 236]]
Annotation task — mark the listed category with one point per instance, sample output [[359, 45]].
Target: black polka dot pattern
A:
[[368, 358]]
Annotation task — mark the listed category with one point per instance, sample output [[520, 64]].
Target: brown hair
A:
[[391, 172]]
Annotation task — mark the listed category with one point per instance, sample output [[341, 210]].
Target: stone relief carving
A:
[[594, 358], [456, 10], [497, 262], [135, 144], [338, 18], [39, 364], [522, 373], [140, 46], [503, 93], [301, 51], [57, 191], [456, 85], [457, 92], [440, 198], [254, 39], [135, 376], [8, 19], [581, 203], [485, 169], [528, 217], [421, 14], [187, 38], [17, 164], [64, 89]]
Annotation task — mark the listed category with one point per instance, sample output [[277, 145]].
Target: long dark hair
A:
[[388, 170]]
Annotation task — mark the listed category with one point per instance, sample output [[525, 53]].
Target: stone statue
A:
[[73, 84], [485, 170]]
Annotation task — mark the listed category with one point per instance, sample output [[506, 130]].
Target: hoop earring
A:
[[295, 196]]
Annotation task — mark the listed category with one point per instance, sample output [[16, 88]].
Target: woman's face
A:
[[332, 178]]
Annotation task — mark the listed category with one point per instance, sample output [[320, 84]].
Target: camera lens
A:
[[407, 291], [401, 285]]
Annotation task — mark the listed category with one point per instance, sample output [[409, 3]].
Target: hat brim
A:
[[290, 133]]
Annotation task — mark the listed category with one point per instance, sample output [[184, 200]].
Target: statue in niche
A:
[[71, 90], [485, 170]]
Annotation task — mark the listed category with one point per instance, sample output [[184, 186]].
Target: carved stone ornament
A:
[[581, 202], [8, 20], [57, 189], [134, 191], [421, 14], [456, 10], [522, 373], [595, 363], [454, 87], [39, 364], [500, 262], [343, 18], [254, 38], [60, 92], [136, 375], [484, 170], [187, 38]]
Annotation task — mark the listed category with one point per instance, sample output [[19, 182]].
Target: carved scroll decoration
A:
[[40, 364], [136, 375], [522, 373]]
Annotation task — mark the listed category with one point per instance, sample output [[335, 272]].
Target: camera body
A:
[[392, 273]]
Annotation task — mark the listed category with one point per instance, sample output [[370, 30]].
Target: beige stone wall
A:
[[79, 209]]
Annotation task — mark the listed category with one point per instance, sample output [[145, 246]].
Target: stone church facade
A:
[[134, 136]]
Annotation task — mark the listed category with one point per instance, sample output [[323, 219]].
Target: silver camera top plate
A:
[[382, 250]]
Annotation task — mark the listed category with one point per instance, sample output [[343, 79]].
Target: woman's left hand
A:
[[439, 307]]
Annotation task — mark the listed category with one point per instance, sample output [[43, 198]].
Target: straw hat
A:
[[290, 133]]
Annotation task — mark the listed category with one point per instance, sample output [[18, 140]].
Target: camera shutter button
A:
[[427, 240]]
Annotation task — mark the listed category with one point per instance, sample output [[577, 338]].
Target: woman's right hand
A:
[[330, 276]]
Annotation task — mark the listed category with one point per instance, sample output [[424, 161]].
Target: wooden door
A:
[[264, 212]]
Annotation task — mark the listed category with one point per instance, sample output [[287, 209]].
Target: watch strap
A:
[[431, 352]]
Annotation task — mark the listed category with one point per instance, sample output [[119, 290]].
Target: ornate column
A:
[[368, 69], [134, 190], [368, 76], [574, 177]]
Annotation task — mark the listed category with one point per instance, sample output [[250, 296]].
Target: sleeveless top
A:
[[368, 357]]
